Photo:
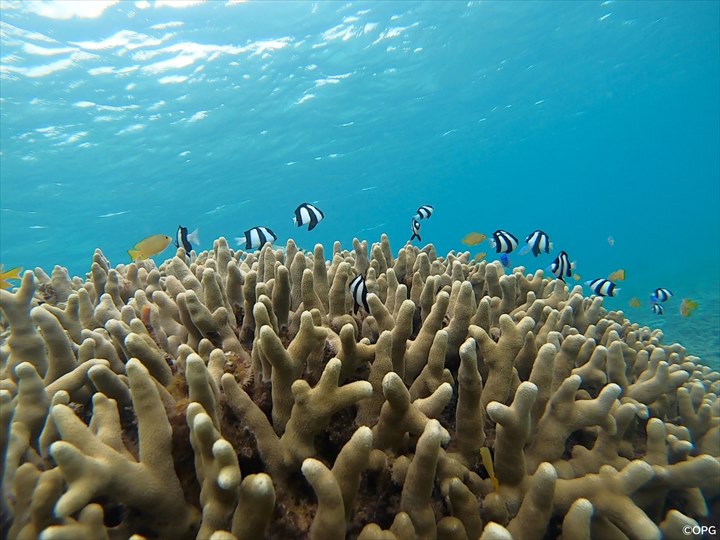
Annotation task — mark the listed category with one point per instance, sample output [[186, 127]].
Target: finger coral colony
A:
[[235, 394]]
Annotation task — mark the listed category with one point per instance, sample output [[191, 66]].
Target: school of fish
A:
[[503, 242], [538, 242]]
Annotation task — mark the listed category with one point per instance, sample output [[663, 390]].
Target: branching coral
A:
[[237, 395]]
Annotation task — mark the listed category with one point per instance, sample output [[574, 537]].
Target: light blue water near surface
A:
[[586, 120]]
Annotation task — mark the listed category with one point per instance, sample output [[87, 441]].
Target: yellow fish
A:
[[480, 256], [474, 238], [687, 307], [576, 277], [152, 245], [635, 302], [6, 277], [617, 275], [488, 464]]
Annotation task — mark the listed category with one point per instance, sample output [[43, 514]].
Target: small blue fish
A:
[[505, 260], [657, 309]]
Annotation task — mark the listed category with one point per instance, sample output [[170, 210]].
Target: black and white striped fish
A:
[[307, 213], [415, 229], [602, 287], [424, 212], [256, 237], [661, 295], [657, 309], [182, 238], [561, 267], [358, 290], [537, 242], [503, 241]]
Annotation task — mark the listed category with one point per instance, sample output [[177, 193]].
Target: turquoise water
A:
[[586, 120]]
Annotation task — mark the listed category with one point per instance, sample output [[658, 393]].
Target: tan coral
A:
[[564, 415], [226, 359], [92, 467], [609, 492]]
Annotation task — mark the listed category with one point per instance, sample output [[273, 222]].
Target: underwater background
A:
[[588, 120]]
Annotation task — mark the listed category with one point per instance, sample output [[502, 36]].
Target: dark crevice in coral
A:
[[378, 502], [554, 529], [582, 437]]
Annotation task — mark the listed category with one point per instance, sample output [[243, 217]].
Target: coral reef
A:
[[236, 395]]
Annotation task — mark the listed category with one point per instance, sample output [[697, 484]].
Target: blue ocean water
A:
[[119, 120]]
